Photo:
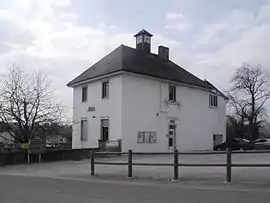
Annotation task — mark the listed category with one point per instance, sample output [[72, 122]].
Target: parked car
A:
[[236, 144], [262, 144]]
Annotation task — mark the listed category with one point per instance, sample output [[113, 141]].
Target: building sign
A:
[[35, 146], [25, 145], [91, 108]]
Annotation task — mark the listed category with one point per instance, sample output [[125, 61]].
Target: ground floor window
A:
[[84, 130], [147, 137], [104, 130]]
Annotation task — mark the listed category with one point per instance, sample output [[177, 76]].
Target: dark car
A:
[[262, 144], [235, 144]]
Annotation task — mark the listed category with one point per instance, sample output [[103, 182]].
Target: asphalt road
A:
[[19, 189]]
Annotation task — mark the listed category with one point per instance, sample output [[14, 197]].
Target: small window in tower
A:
[[147, 39], [139, 39]]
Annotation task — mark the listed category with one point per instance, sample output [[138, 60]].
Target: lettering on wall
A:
[[91, 108]]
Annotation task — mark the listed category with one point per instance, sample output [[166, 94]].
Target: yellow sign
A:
[[25, 145]]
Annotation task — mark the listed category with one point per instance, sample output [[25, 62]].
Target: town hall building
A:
[[147, 102]]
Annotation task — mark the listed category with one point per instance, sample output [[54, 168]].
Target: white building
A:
[[147, 101]]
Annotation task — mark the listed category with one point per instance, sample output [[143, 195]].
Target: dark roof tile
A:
[[143, 31], [131, 60]]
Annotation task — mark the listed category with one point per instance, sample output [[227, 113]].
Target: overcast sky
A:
[[63, 37]]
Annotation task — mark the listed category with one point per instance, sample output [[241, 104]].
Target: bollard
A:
[[229, 165], [130, 163], [92, 157], [175, 165]]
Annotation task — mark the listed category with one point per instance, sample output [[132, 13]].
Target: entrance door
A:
[[172, 135], [217, 139], [104, 130]]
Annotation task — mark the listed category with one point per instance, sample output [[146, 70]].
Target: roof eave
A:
[[117, 72]]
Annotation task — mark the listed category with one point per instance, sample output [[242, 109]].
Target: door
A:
[[217, 139], [172, 135], [104, 130]]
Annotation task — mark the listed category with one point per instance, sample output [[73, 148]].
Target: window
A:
[[105, 90], [172, 93], [147, 137], [140, 138], [104, 129], [152, 137], [84, 94], [213, 100], [84, 130]]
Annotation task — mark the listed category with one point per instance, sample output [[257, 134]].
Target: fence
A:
[[22, 156], [110, 145], [176, 164]]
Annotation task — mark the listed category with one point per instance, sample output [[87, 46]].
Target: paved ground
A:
[[69, 182], [20, 189], [80, 169]]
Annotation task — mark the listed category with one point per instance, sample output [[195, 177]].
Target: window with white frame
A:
[[140, 138], [172, 93], [84, 130], [84, 94], [147, 137], [105, 90], [213, 100]]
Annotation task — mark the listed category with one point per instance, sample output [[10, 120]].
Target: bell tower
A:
[[143, 41]]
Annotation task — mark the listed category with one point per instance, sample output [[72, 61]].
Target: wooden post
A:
[[92, 157], [130, 163], [119, 145], [28, 157], [175, 165], [229, 165], [39, 157]]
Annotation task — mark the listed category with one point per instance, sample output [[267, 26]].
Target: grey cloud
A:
[[3, 48], [12, 34]]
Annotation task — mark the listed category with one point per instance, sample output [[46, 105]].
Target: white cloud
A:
[[55, 43], [179, 25], [211, 31], [221, 47], [4, 14], [177, 21], [39, 35], [69, 16], [231, 26], [264, 14], [174, 16], [248, 43]]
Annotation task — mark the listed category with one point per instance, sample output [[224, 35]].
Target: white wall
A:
[[138, 104], [107, 108], [139, 113], [144, 109]]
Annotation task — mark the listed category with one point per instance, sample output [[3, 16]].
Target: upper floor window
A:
[[105, 90], [172, 93], [213, 100], [84, 94]]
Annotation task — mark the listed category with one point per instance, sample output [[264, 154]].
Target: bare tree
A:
[[27, 104], [248, 95]]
